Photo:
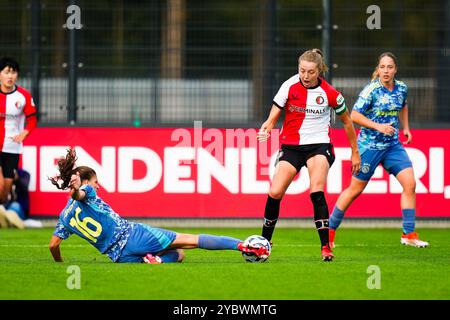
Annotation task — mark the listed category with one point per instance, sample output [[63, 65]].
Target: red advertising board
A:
[[210, 173]]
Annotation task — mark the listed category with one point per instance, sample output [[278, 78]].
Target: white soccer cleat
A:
[[412, 239]]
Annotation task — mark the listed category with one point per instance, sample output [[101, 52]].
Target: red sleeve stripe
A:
[[31, 122]]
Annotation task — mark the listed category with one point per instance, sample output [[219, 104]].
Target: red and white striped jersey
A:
[[307, 119], [16, 107]]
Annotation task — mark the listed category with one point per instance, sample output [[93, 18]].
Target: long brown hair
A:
[[316, 56], [66, 168], [384, 54]]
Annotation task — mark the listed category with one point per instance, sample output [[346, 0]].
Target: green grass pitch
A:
[[294, 271]]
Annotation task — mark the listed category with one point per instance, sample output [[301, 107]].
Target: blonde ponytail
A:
[[375, 73]]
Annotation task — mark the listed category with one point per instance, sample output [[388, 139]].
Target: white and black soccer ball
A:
[[256, 241]]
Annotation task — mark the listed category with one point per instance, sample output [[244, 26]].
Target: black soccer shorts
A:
[[9, 162], [297, 155]]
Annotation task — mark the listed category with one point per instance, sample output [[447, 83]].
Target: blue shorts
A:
[[394, 159], [145, 239]]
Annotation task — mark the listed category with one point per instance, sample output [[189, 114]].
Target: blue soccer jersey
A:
[[94, 220], [380, 105]]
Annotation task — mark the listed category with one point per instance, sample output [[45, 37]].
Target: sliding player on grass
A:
[[379, 109], [305, 141], [89, 217]]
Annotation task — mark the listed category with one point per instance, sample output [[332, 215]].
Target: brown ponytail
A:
[[66, 168], [314, 55]]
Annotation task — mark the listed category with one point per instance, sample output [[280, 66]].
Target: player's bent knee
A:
[[317, 187], [275, 194], [412, 186], [409, 185], [411, 190]]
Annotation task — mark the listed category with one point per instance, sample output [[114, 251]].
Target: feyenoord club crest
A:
[[18, 104], [320, 100]]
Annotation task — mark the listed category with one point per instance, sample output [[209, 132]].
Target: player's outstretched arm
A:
[[54, 248]]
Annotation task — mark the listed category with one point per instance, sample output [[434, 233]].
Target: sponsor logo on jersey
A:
[[387, 113], [8, 116], [293, 108]]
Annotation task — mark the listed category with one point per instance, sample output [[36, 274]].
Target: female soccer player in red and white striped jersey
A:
[[305, 141], [16, 109]]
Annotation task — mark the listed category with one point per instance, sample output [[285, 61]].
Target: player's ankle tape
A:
[[321, 224]]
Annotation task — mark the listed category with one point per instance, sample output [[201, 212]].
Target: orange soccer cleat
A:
[[412, 239]]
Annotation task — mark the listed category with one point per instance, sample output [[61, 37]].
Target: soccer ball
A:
[[256, 241]]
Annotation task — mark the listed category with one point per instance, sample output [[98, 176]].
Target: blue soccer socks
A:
[[210, 242], [409, 220], [170, 256], [336, 218]]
